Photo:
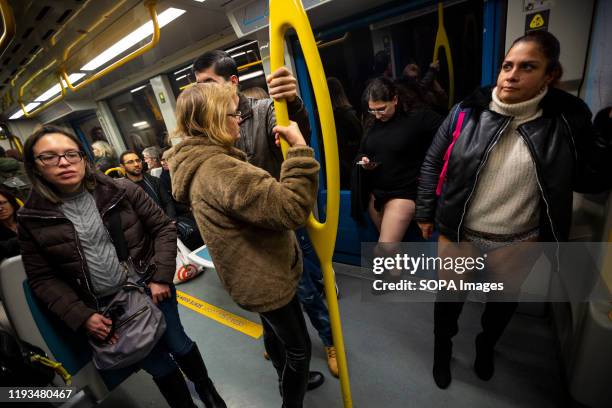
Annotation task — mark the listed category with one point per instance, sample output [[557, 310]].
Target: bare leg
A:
[[398, 213]]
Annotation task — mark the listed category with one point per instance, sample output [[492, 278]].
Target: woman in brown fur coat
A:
[[247, 219]]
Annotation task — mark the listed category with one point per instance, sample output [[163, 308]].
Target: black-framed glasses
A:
[[236, 114], [52, 159]]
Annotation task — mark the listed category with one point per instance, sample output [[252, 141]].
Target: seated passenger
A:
[[152, 156], [104, 156], [72, 264], [9, 245], [13, 177], [131, 164], [247, 219]]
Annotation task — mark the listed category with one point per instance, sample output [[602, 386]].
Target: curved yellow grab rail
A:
[[10, 29], [249, 65], [115, 169], [46, 104], [442, 41], [285, 14], [321, 44], [151, 44], [14, 140]]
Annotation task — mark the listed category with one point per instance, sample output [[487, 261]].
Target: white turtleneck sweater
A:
[[507, 197]]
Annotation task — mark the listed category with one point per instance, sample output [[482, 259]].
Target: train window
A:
[[386, 47], [139, 118], [250, 69]]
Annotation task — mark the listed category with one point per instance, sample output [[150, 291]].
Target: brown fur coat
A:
[[247, 217]]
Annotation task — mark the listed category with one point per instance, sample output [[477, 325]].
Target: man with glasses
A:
[[257, 119], [131, 164]]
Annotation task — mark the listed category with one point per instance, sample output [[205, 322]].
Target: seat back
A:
[[34, 323]]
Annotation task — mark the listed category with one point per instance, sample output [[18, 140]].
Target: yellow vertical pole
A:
[[442, 41], [285, 14]]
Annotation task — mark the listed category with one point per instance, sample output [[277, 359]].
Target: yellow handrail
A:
[[53, 40], [151, 44], [283, 15], [117, 169], [249, 65], [442, 41], [14, 140], [321, 44], [9, 25], [46, 104]]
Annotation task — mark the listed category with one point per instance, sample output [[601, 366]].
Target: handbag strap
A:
[[117, 235]]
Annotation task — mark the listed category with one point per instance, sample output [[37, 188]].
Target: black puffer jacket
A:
[[53, 258], [569, 156]]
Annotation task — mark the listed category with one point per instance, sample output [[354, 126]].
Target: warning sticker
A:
[[537, 21]]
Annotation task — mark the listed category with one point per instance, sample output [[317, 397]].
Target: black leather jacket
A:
[[568, 153]]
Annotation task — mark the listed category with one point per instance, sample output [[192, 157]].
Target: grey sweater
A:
[[106, 272]]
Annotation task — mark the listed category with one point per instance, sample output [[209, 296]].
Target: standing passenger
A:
[[9, 245], [257, 140], [522, 151], [247, 219], [72, 264], [391, 154]]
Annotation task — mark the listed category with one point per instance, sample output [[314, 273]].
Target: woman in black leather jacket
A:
[[522, 148]]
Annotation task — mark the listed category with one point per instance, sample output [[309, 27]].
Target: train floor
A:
[[389, 348]]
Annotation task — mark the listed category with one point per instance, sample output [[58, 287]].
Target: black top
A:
[[348, 132], [153, 188], [399, 146]]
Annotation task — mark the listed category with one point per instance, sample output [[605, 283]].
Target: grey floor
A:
[[389, 350]]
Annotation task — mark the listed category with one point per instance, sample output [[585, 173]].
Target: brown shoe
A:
[[266, 355], [332, 363]]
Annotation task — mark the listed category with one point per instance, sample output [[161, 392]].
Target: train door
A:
[[383, 42], [139, 118]]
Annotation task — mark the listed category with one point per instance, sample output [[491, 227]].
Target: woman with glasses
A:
[[397, 135], [9, 245], [72, 264], [247, 219]]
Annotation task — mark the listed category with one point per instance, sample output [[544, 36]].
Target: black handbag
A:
[[21, 364]]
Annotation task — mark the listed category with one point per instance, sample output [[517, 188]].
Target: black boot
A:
[[174, 389], [193, 366], [483, 364], [494, 321], [446, 315], [443, 350]]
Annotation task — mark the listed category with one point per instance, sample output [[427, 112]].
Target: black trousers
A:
[[288, 344], [494, 320]]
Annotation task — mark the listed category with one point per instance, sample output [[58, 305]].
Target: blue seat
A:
[[35, 324]]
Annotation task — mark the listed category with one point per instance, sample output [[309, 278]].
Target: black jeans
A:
[[287, 342]]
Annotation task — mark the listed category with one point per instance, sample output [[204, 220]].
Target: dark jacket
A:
[[256, 135], [152, 186], [9, 245], [568, 153], [53, 258]]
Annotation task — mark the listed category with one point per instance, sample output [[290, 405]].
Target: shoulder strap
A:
[[116, 232], [459, 119]]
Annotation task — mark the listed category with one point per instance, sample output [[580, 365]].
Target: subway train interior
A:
[[112, 70]]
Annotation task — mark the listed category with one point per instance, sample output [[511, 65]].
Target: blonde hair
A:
[[202, 111], [106, 149]]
